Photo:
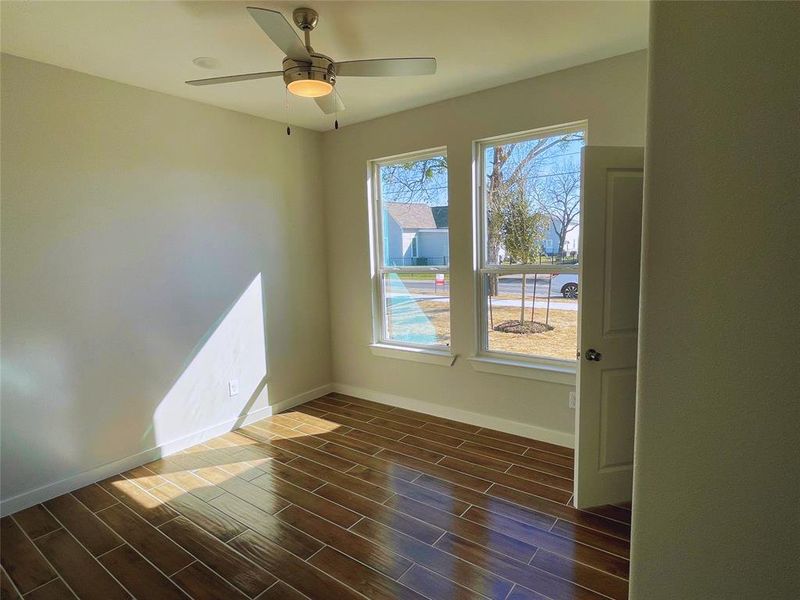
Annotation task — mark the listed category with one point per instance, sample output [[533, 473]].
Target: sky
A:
[[406, 182]]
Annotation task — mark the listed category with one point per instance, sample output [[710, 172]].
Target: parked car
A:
[[567, 284]]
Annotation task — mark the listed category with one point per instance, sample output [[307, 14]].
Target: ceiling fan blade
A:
[[386, 67], [330, 104], [232, 78], [280, 32]]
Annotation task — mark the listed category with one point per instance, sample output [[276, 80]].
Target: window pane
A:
[[532, 200], [417, 308], [414, 212], [534, 315]]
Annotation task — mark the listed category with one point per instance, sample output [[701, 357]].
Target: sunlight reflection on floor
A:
[[245, 453]]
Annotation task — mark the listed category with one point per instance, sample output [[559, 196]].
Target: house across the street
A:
[[415, 234], [550, 242]]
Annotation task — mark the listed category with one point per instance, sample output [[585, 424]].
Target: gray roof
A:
[[418, 216]]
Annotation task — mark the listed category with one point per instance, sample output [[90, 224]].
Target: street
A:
[[506, 287], [509, 292]]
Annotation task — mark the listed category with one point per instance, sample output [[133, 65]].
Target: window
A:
[[528, 229], [410, 252]]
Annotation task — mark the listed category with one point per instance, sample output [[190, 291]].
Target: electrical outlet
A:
[[233, 387], [572, 399]]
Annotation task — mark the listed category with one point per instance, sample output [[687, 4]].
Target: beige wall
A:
[[152, 249], [716, 481], [610, 94]]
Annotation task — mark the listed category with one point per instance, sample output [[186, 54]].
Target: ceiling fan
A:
[[313, 75]]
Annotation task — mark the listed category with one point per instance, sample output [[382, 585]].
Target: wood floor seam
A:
[[90, 555], [183, 568], [28, 594], [41, 555]]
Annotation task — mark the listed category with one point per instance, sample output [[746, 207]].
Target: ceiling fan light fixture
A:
[[309, 88], [307, 73]]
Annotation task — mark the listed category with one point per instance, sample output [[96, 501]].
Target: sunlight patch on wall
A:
[[233, 349]]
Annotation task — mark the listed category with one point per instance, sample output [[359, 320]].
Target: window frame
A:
[[382, 345], [499, 361]]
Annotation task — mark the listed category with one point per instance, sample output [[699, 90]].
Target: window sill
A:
[[422, 355], [513, 368]]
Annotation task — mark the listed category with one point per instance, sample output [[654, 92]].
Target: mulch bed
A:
[[522, 328]]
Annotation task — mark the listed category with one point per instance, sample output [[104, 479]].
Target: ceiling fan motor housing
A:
[[309, 74], [320, 69]]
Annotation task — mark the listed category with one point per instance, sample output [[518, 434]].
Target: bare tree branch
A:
[[558, 196]]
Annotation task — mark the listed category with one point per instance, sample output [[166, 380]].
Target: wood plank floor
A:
[[337, 498]]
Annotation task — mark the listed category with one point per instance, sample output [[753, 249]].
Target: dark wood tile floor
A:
[[338, 498]]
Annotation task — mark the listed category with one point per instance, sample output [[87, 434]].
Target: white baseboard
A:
[[51, 490], [312, 394], [478, 419]]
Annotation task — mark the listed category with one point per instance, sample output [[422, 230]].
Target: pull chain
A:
[[286, 107]]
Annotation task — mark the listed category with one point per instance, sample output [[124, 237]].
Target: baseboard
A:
[[479, 419], [312, 394], [51, 490]]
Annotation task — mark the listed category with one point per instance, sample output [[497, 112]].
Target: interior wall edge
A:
[[74, 482], [715, 486], [535, 432]]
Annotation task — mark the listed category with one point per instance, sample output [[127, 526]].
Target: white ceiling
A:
[[478, 45]]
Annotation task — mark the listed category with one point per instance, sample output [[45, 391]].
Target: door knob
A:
[[592, 354]]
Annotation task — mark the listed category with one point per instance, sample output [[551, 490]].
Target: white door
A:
[[611, 233]]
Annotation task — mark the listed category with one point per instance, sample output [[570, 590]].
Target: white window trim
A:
[[382, 346], [525, 369], [413, 353], [508, 363]]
